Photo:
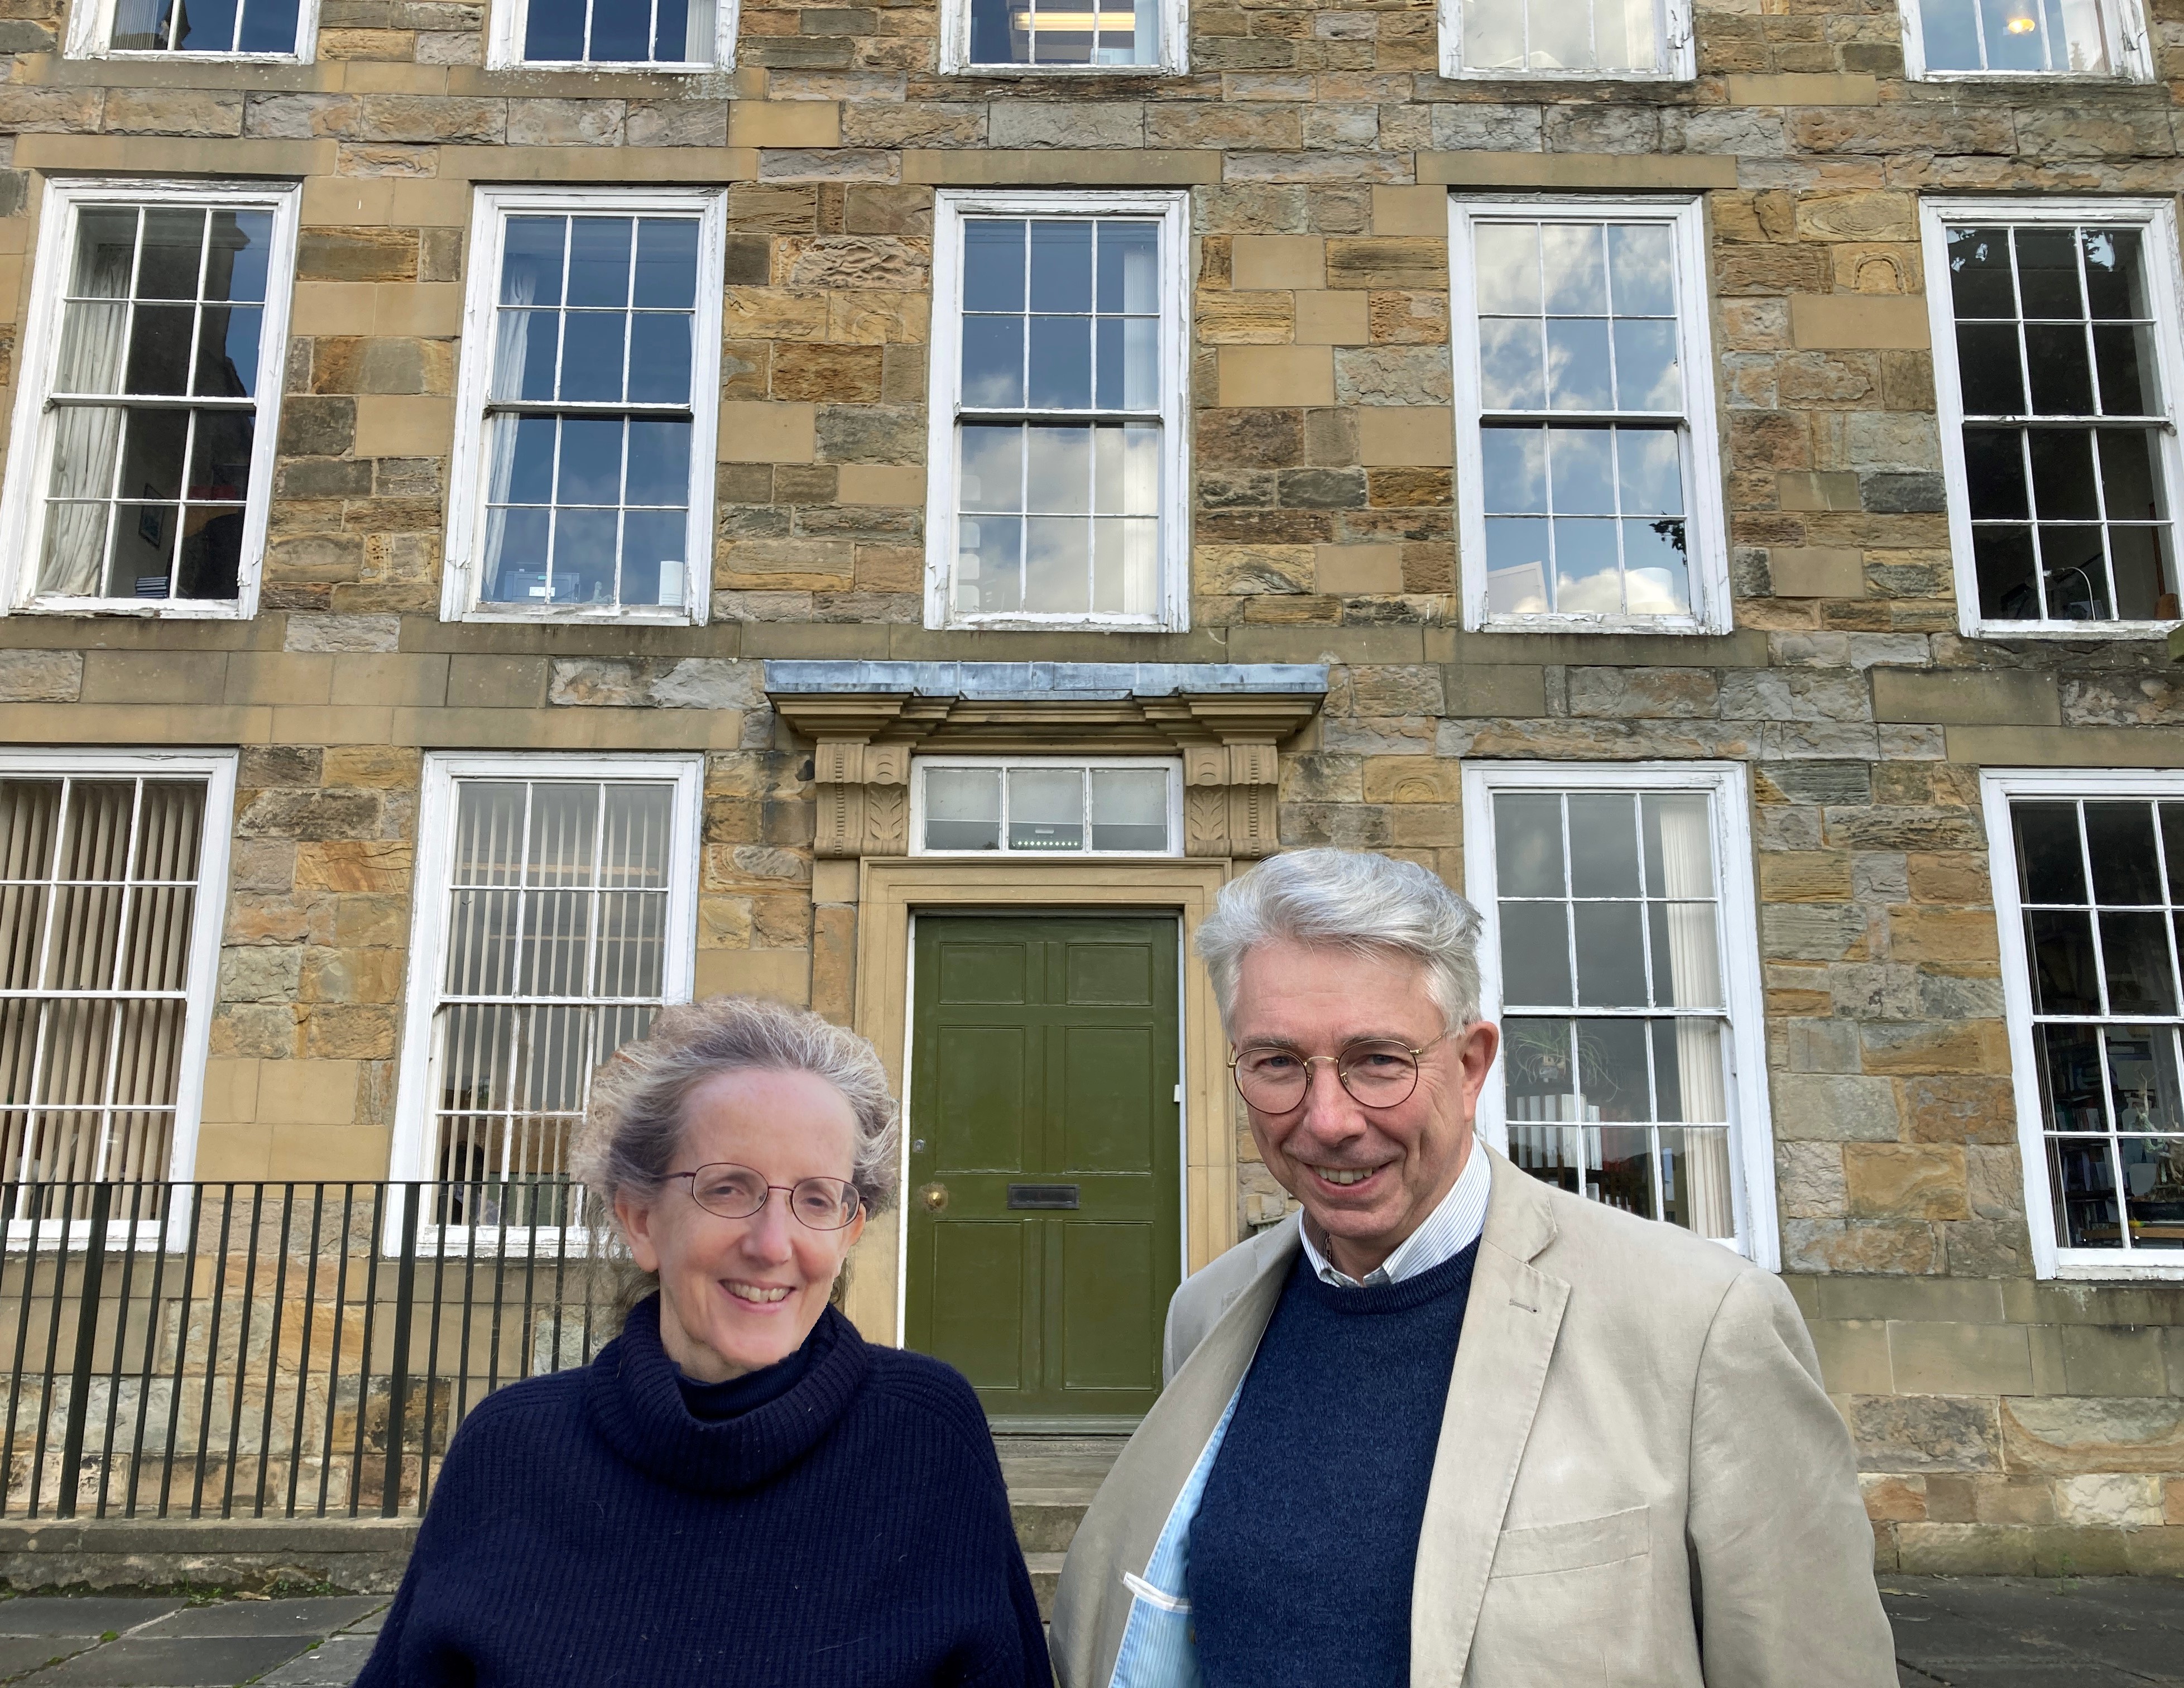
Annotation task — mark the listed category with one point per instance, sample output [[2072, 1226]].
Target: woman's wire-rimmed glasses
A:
[[736, 1192], [1380, 1072]]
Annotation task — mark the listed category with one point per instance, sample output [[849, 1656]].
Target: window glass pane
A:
[[2136, 963], [2082, 1172], [2120, 840], [1129, 809], [1603, 845], [206, 25], [553, 30], [1057, 565], [236, 266], [142, 26], [1535, 966], [1046, 809], [1528, 844], [1494, 35], [268, 26], [2154, 1191], [961, 808]]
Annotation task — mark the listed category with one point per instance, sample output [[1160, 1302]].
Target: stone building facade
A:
[[1309, 640]]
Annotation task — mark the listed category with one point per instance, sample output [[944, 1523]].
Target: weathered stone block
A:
[[2076, 1435], [1897, 1181], [1922, 1432], [1833, 1108]]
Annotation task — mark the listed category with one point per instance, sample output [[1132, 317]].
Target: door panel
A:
[[1108, 1304], [978, 1267], [1110, 974], [1107, 1116], [982, 972], [979, 1073], [1043, 1065]]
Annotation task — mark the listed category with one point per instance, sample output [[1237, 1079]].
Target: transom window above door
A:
[[1059, 36], [1590, 38], [1046, 806], [634, 34]]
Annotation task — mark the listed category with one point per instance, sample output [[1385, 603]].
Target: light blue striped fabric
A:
[[1159, 1645]]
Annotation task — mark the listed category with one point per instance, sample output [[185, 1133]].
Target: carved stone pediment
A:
[[866, 719]]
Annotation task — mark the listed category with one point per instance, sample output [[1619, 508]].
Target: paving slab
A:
[[22, 1653], [90, 1615], [199, 1662], [309, 1618], [2037, 1632], [332, 1664]]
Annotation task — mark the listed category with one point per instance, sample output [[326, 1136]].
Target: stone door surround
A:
[[867, 719]]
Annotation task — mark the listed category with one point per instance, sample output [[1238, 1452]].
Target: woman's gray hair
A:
[[1348, 899], [632, 1130]]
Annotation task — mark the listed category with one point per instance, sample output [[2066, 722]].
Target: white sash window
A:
[[1620, 959]]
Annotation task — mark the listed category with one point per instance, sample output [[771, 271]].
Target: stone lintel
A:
[[1688, 172], [1101, 167]]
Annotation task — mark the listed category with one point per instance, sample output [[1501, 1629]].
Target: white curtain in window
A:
[[86, 437], [511, 342], [1687, 878], [697, 33]]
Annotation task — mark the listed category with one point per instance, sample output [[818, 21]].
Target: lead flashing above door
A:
[[1224, 719]]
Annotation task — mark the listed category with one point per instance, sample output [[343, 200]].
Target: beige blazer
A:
[[1640, 1481]]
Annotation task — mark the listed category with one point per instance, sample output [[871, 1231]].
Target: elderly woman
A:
[[738, 1489]]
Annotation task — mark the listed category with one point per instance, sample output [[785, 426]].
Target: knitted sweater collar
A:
[[637, 1404]]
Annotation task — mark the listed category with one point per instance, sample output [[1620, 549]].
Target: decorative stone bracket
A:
[[866, 719]]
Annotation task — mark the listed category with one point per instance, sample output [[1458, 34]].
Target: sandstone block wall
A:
[[2005, 1424]]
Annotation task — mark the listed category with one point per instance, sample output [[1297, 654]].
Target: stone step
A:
[[1046, 1526], [1045, 1574], [1051, 1481]]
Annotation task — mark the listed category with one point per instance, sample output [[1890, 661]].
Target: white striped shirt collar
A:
[[1449, 1229]]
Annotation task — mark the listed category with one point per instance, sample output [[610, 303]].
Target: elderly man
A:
[[1455, 1426]]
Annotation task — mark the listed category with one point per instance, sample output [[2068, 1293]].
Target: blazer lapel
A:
[[1124, 1523], [1509, 1328]]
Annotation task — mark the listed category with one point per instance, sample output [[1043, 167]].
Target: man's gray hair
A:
[[1350, 899], [632, 1131]]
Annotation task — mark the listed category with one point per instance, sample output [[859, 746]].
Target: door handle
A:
[[934, 1196]]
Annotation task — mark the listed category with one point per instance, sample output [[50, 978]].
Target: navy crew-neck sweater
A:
[[1303, 1551], [587, 1529]]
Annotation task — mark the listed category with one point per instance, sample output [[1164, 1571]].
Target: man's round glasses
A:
[[1380, 1072], [736, 1192]]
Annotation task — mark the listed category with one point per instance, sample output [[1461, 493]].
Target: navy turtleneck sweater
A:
[[845, 1522], [1306, 1542]]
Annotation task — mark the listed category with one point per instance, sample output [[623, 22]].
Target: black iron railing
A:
[[274, 1350]]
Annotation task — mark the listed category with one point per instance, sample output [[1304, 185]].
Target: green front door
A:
[[1046, 1174]]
